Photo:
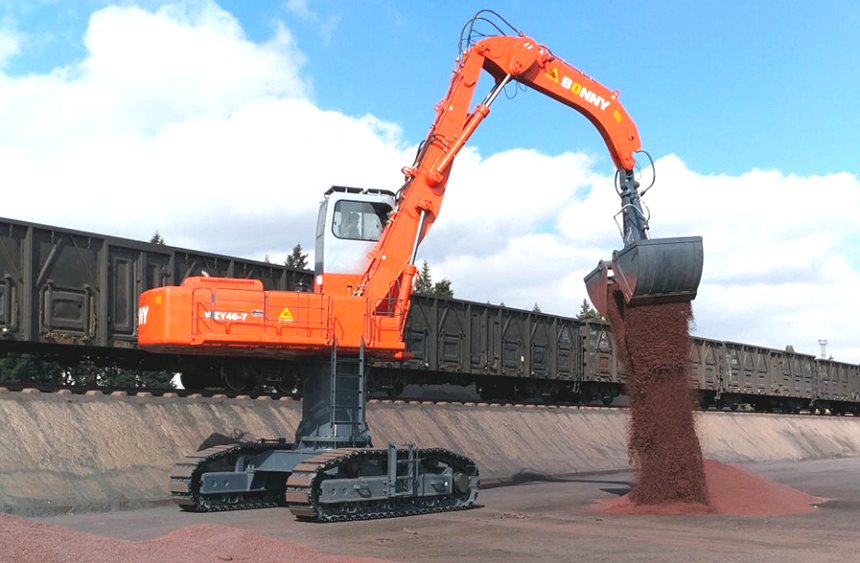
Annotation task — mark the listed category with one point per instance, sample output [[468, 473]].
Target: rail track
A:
[[95, 390], [220, 394]]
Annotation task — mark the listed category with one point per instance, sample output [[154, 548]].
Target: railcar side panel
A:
[[836, 381], [793, 374], [747, 369], [601, 364], [706, 364], [13, 247]]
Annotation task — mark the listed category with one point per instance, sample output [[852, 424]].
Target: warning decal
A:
[[286, 316]]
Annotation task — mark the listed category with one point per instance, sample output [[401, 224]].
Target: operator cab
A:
[[350, 222]]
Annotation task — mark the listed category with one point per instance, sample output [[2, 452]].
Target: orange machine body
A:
[[234, 316], [216, 315]]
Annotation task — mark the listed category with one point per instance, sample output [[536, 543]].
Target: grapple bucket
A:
[[650, 271]]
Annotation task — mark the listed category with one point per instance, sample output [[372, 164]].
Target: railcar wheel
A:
[[489, 392], [396, 388], [550, 392], [238, 379], [526, 391], [288, 381]]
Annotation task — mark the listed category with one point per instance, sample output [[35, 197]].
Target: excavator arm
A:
[[522, 59]]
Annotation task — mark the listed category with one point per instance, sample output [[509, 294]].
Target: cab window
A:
[[359, 220], [321, 220]]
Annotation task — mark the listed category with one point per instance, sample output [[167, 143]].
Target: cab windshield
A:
[[359, 220]]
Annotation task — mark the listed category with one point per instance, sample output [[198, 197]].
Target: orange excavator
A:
[[367, 241]]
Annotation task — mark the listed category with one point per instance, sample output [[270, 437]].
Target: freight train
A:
[[68, 295]]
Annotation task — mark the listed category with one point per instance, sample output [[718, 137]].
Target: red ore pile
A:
[[732, 490], [653, 343], [29, 541]]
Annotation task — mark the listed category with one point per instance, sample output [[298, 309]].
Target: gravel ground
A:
[[553, 521]]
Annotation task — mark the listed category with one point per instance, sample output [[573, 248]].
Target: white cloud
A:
[[327, 26], [300, 8], [215, 141], [146, 72], [10, 44]]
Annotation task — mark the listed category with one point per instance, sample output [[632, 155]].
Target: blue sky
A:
[[728, 86]]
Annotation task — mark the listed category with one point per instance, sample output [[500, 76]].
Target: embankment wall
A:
[[72, 452]]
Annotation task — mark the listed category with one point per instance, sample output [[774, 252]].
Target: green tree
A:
[[112, 376], [26, 368], [83, 373], [536, 309], [442, 288], [588, 313], [157, 238], [424, 283], [298, 259], [37, 369]]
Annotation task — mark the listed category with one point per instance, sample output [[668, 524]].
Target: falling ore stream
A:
[[653, 343]]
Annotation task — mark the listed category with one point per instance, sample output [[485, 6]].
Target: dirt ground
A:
[[553, 521]]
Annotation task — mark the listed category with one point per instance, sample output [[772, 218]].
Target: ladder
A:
[[347, 394], [405, 484]]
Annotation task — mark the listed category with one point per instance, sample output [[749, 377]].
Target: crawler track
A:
[[301, 490], [185, 480], [305, 481]]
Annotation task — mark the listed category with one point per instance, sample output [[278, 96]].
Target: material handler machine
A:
[[366, 245]]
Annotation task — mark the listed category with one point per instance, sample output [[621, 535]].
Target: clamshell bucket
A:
[[650, 271]]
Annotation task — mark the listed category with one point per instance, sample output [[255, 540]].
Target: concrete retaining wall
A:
[[91, 453]]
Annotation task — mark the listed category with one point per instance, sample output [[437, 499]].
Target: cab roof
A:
[[348, 190]]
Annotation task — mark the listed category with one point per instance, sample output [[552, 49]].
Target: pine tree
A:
[[442, 288], [266, 259], [536, 309], [157, 238], [424, 283], [587, 312], [298, 259]]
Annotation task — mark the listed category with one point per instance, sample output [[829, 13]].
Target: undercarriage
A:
[[331, 472]]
